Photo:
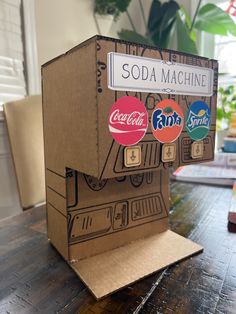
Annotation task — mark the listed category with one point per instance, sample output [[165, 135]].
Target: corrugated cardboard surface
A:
[[99, 215], [57, 230], [111, 219], [27, 151], [77, 101], [110, 271], [70, 112], [111, 162]]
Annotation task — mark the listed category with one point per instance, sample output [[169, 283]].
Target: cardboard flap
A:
[[115, 269]]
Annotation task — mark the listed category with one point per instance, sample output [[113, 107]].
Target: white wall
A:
[[62, 24], [9, 197]]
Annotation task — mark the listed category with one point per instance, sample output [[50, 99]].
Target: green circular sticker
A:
[[198, 120]]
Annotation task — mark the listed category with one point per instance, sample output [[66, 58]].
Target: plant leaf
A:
[[104, 7], [133, 36], [187, 20], [184, 41], [186, 16], [154, 15], [220, 113], [161, 40], [169, 10], [122, 5], [161, 20], [214, 20]]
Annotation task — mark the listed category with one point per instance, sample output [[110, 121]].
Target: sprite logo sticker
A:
[[198, 120]]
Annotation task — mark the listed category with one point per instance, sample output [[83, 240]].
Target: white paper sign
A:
[[141, 74]]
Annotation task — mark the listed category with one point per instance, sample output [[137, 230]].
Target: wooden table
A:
[[35, 279]]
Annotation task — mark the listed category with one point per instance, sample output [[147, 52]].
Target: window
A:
[[225, 47], [12, 79], [221, 48]]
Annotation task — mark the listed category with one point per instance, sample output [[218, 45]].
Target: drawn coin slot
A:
[[71, 187], [120, 219]]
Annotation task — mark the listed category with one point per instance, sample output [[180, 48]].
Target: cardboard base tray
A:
[[108, 272]]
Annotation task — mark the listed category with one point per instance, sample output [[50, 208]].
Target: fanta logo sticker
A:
[[167, 121], [160, 120], [198, 120], [128, 120]]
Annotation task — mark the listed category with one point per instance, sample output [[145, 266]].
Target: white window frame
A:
[[206, 41], [13, 65], [30, 44], [32, 72]]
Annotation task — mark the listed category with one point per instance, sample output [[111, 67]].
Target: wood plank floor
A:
[[35, 279]]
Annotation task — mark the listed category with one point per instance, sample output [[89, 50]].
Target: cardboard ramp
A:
[[110, 271]]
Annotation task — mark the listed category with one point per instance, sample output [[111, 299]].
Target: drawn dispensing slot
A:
[[120, 219], [145, 207], [90, 224], [186, 143], [150, 151]]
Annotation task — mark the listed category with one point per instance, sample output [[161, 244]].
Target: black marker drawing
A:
[[95, 184]]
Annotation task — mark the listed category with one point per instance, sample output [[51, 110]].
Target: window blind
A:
[[12, 80]]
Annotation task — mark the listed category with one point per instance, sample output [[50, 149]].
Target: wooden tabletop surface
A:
[[35, 279]]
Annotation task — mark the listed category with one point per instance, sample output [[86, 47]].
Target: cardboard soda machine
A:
[[117, 116]]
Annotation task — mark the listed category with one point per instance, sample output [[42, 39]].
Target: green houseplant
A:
[[169, 20], [111, 7], [226, 105]]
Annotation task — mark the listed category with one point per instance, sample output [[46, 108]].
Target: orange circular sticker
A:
[[167, 121]]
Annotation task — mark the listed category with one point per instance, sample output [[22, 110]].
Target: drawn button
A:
[[132, 156], [197, 150], [168, 152]]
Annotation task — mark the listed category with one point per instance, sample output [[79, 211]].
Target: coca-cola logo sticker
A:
[[128, 120], [167, 121]]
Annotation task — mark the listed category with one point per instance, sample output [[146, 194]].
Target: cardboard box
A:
[[107, 217]]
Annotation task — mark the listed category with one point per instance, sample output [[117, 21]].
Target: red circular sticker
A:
[[128, 120], [167, 121]]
